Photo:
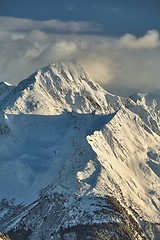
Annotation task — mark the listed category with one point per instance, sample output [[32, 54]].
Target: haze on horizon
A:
[[117, 42]]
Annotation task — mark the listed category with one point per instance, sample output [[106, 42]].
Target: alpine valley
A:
[[77, 162]]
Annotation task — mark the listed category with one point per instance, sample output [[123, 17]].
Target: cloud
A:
[[122, 64], [150, 40], [116, 9], [15, 24]]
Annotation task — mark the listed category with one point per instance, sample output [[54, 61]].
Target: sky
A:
[[116, 41]]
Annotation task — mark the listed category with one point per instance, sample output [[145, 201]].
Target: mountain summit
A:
[[59, 86], [76, 161]]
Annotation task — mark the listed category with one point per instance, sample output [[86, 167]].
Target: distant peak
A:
[[5, 84], [147, 98]]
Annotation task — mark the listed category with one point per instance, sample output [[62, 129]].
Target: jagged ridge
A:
[[70, 143]]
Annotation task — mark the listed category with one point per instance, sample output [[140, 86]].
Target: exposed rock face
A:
[[4, 236]]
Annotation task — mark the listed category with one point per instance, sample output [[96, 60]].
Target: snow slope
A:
[[72, 152], [147, 106], [126, 151]]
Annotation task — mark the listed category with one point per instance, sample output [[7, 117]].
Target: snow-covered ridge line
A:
[[58, 87], [66, 141]]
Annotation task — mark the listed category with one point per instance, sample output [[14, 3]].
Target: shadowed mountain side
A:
[[44, 148], [58, 160]]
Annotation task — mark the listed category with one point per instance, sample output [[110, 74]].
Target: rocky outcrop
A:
[[4, 236]]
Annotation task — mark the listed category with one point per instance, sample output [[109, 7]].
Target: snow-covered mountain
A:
[[5, 89], [58, 87], [77, 162]]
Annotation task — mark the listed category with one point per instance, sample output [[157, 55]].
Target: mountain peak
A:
[[69, 70], [58, 87], [60, 72], [5, 84], [5, 89]]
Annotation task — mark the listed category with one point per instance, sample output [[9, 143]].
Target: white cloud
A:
[[150, 40], [121, 63], [116, 9], [16, 24]]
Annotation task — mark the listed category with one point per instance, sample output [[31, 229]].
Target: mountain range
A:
[[77, 162]]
